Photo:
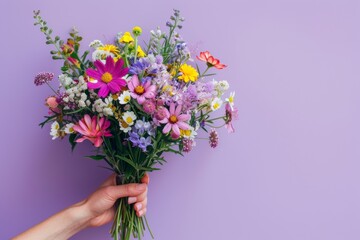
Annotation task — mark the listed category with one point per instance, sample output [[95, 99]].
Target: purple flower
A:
[[134, 138], [144, 143], [43, 77], [149, 106], [139, 67], [213, 138], [187, 145]]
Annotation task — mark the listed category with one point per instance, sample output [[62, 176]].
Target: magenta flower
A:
[[107, 77], [231, 114], [174, 120], [142, 91], [92, 129]]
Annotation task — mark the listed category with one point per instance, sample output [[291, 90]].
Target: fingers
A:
[[145, 179], [140, 208], [127, 190]]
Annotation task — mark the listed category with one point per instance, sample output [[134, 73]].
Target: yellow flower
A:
[[111, 49], [137, 31], [126, 38], [140, 52], [189, 73]]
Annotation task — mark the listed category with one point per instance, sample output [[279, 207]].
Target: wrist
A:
[[80, 215]]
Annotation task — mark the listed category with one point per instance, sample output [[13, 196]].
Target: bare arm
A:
[[96, 210]]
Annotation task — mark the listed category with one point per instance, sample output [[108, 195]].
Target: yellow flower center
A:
[[216, 105], [107, 77], [139, 90], [173, 119], [129, 120], [186, 133], [231, 99], [126, 98]]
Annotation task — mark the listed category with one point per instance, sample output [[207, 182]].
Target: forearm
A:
[[60, 226]]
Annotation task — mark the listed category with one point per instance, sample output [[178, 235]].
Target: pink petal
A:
[[176, 129], [183, 117], [178, 110], [141, 99], [109, 66], [167, 128], [79, 130], [94, 85], [135, 81], [79, 140], [93, 73], [172, 108], [114, 87], [104, 91], [87, 120], [183, 126], [98, 141], [100, 67]]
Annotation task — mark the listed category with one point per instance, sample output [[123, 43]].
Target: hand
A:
[[100, 204]]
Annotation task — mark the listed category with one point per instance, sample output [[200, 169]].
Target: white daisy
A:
[[55, 130], [189, 134], [69, 128], [125, 97], [129, 118], [230, 100], [216, 104]]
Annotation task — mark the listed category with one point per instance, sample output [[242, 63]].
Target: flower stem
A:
[[52, 88]]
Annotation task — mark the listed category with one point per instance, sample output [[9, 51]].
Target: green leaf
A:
[[96, 157], [72, 141]]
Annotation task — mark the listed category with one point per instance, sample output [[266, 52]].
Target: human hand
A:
[[100, 204]]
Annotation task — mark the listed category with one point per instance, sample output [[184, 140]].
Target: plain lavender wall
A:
[[291, 170]]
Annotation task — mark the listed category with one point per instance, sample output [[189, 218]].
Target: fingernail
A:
[[138, 206], [141, 187], [141, 213], [131, 200]]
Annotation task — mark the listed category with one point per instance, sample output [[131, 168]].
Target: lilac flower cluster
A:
[[141, 133], [43, 77]]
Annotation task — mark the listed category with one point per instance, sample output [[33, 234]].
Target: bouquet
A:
[[134, 103]]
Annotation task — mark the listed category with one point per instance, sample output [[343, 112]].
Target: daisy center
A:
[[129, 120], [216, 105], [173, 119], [139, 90], [126, 98], [107, 77]]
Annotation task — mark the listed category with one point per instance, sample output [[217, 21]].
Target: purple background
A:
[[291, 170]]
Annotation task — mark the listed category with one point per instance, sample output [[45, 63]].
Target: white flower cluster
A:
[[95, 44], [221, 87], [56, 131], [65, 80], [103, 107], [75, 93]]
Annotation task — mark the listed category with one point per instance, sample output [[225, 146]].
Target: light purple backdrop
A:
[[290, 172]]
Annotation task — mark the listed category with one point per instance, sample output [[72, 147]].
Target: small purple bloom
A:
[[144, 143], [134, 138], [43, 77]]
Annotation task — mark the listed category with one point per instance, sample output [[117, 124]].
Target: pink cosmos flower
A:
[[141, 91], [174, 120], [93, 130], [231, 114], [210, 60], [107, 77]]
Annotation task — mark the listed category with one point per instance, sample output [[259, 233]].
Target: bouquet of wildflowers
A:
[[134, 103]]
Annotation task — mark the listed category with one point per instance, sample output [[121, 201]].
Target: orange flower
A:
[[210, 60]]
